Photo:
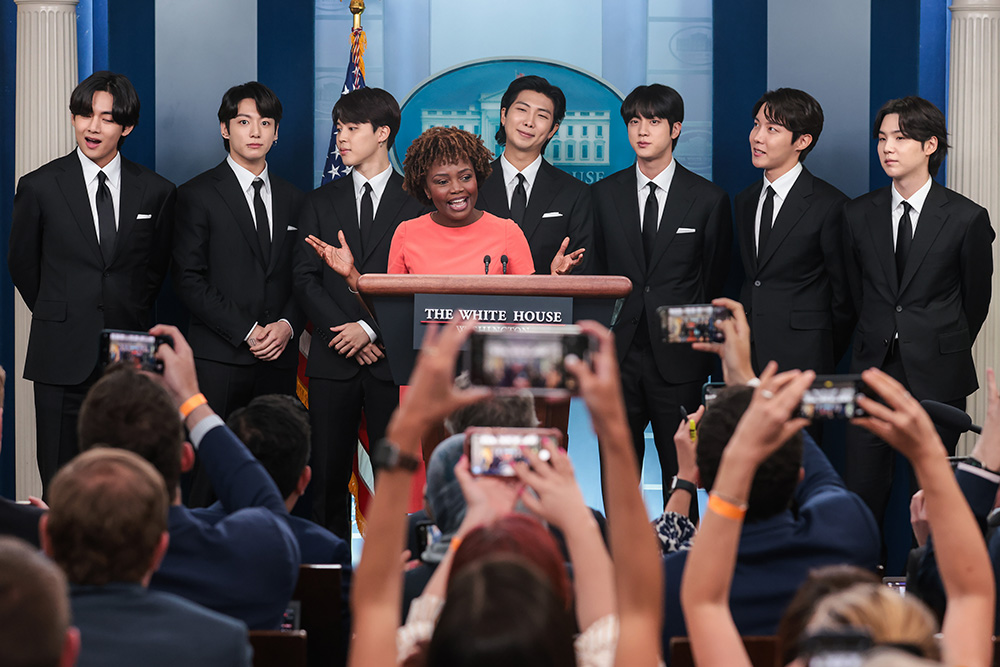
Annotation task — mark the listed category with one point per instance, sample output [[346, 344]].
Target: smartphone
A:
[[494, 451], [897, 584], [692, 324], [427, 534], [833, 397], [135, 348], [710, 391], [527, 357]]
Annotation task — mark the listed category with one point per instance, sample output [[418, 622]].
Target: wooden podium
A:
[[391, 298]]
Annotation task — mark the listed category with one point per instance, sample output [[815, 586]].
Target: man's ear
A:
[[803, 142], [224, 129], [43, 535], [127, 130], [159, 552], [675, 130], [802, 474], [930, 146], [187, 457], [503, 115], [382, 133], [71, 647], [304, 479], [555, 128]]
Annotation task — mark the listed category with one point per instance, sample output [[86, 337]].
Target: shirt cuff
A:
[[250, 333], [290, 327], [988, 475], [368, 330], [202, 428]]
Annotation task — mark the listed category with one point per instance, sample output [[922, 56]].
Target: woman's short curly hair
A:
[[449, 145]]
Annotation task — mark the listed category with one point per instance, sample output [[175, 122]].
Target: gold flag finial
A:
[[357, 8]]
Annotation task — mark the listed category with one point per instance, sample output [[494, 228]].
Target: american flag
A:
[[335, 167]]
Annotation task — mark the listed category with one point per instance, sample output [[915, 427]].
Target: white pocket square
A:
[[686, 230], [292, 229], [144, 216], [552, 214]]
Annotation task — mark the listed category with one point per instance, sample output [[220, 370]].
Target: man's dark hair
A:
[[538, 85], [654, 101], [275, 428], [128, 410], [34, 606], [124, 110], [369, 105], [108, 513], [795, 110], [268, 104], [918, 120], [774, 484]]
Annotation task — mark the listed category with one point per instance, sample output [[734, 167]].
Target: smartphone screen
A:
[[530, 357], [494, 451], [692, 324], [135, 348], [833, 397]]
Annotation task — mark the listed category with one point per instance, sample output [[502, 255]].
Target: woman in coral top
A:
[[445, 166]]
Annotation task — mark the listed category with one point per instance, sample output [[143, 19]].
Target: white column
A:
[[974, 158], [46, 75]]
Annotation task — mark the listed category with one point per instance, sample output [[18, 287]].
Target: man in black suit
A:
[[919, 260], [790, 229], [233, 259], [89, 247], [553, 209], [347, 369], [669, 231]]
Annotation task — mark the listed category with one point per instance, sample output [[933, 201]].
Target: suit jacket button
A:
[[899, 309], [107, 273], [100, 306], [646, 289], [756, 283], [885, 341], [635, 320]]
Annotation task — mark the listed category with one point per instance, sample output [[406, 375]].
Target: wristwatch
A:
[[976, 463], [678, 483], [387, 456]]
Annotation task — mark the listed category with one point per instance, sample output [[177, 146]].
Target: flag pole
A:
[[357, 8]]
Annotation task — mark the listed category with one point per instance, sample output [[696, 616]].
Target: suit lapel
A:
[[795, 204], [229, 189], [542, 193], [132, 189], [879, 222], [281, 211], [75, 191], [929, 225], [627, 203], [748, 243], [493, 194], [392, 200], [675, 209], [346, 208]]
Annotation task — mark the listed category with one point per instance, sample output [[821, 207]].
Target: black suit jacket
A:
[[219, 272], [942, 300], [796, 293], [559, 206], [322, 293], [686, 267], [56, 264]]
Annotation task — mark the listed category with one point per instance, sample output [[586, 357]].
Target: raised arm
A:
[[708, 574], [961, 552]]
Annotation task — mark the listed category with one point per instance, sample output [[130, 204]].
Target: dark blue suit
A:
[[127, 624], [246, 564], [832, 526]]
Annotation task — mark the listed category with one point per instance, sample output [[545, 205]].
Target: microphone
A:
[[949, 416], [503, 262], [486, 261]]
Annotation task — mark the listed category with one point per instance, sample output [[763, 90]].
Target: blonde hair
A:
[[890, 618]]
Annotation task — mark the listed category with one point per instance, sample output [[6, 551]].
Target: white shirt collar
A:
[[916, 200], [378, 182], [247, 177], [510, 171], [662, 179], [113, 169], [783, 183]]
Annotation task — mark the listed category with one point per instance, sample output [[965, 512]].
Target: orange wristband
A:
[[726, 509], [455, 543], [189, 406]]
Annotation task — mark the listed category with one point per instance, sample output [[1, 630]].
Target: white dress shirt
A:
[[662, 180], [113, 171]]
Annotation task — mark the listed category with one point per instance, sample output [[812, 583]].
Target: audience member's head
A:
[[820, 583], [107, 519], [35, 626], [517, 535], [275, 428], [774, 484], [443, 146], [513, 411], [501, 610], [128, 410], [889, 618], [444, 499]]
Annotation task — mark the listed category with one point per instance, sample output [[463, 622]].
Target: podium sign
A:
[[500, 311]]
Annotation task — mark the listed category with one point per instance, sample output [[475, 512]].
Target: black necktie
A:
[[518, 201], [367, 215], [263, 227], [904, 237], [650, 216], [105, 217], [766, 220]]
